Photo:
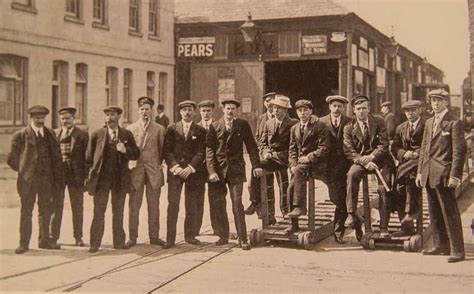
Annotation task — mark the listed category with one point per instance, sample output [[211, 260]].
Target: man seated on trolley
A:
[[309, 146], [273, 145]]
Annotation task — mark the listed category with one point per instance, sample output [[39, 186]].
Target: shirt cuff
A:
[[457, 180], [173, 169], [192, 168]]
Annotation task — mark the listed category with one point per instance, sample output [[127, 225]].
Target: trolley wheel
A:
[[365, 240], [253, 237], [299, 241], [371, 244], [305, 240], [406, 246], [259, 237], [415, 243]]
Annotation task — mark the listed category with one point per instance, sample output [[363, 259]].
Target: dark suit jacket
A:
[[225, 154], [442, 156], [164, 120], [181, 150], [23, 155], [391, 124], [95, 156], [353, 141], [314, 143], [261, 121], [336, 159], [277, 144], [79, 142], [402, 143]]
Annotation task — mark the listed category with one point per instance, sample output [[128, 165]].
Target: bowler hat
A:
[[70, 110], [186, 103], [440, 93], [206, 103], [339, 98], [113, 108], [359, 99], [412, 104], [231, 101], [145, 100], [303, 103], [38, 109], [282, 101]]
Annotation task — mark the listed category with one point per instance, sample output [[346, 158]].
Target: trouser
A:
[[218, 209], [354, 175], [153, 205], [445, 219], [100, 205], [235, 191], [76, 197], [193, 203], [409, 196], [43, 190], [270, 165], [297, 188], [337, 194]]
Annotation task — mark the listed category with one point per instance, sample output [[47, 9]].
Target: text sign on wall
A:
[[196, 47], [314, 44]]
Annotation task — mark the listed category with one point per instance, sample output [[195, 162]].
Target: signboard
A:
[[314, 44], [338, 37], [196, 47], [246, 105], [226, 89]]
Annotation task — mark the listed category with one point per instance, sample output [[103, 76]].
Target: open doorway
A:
[[313, 80]]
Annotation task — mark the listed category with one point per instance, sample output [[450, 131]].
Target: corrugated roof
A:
[[191, 11]]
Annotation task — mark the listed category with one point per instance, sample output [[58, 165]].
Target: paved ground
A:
[[329, 267]]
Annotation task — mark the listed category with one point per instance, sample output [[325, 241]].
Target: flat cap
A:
[[113, 108], [38, 109], [339, 98], [282, 101], [186, 103], [68, 109], [386, 103], [440, 93], [145, 100], [206, 103], [231, 101], [303, 103], [359, 99], [269, 95], [412, 104]]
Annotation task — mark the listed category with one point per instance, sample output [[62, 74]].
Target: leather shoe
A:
[[131, 242], [21, 250], [435, 251], [93, 249], [193, 241], [358, 231], [79, 242], [251, 209], [168, 245], [157, 242], [221, 242], [352, 221], [408, 219], [296, 212], [122, 246], [292, 228], [245, 246], [338, 237], [51, 246], [456, 258]]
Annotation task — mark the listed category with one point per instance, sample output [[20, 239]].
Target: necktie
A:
[[40, 134], [114, 135], [302, 129], [411, 129], [186, 130], [366, 137], [277, 129], [435, 124], [336, 123], [229, 126]]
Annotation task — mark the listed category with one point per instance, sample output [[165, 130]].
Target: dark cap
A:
[[269, 95], [38, 109], [359, 99], [206, 103], [440, 93], [113, 108], [145, 100], [186, 103], [303, 103], [386, 103], [339, 98], [230, 101], [412, 104], [70, 110]]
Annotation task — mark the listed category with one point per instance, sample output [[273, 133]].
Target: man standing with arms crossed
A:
[[146, 172], [442, 157]]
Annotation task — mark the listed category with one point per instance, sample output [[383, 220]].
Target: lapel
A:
[[233, 129], [284, 125], [419, 127], [180, 129], [372, 128], [357, 130], [101, 138], [73, 137], [307, 130], [297, 129], [342, 124], [191, 130], [30, 136], [441, 126], [328, 122]]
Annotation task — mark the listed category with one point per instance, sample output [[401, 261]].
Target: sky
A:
[[437, 29]]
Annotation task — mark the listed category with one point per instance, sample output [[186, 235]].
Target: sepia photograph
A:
[[237, 146]]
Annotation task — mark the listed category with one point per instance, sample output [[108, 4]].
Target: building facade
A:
[[86, 54], [306, 49]]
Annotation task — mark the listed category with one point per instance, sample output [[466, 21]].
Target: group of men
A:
[[335, 149]]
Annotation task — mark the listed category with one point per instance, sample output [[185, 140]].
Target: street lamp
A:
[[249, 29], [392, 49]]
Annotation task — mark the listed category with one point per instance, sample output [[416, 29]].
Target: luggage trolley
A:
[[371, 239], [304, 237]]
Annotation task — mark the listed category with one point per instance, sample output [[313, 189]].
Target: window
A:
[[25, 5], [74, 11], [127, 93], [150, 84], [154, 18], [100, 14], [163, 88], [13, 89], [134, 16], [81, 92], [111, 85], [59, 89]]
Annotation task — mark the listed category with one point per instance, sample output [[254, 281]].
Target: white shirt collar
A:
[[269, 115], [361, 124], [36, 129], [161, 115], [442, 114], [111, 132], [278, 121], [333, 118], [186, 124], [414, 124]]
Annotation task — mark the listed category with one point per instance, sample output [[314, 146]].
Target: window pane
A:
[[6, 101]]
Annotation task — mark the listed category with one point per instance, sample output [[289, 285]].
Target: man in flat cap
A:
[[309, 146], [217, 202], [226, 165], [35, 155], [366, 146], [184, 151], [261, 121], [147, 172], [273, 145], [440, 166], [109, 151], [339, 165], [73, 143], [161, 118], [406, 149], [389, 117]]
